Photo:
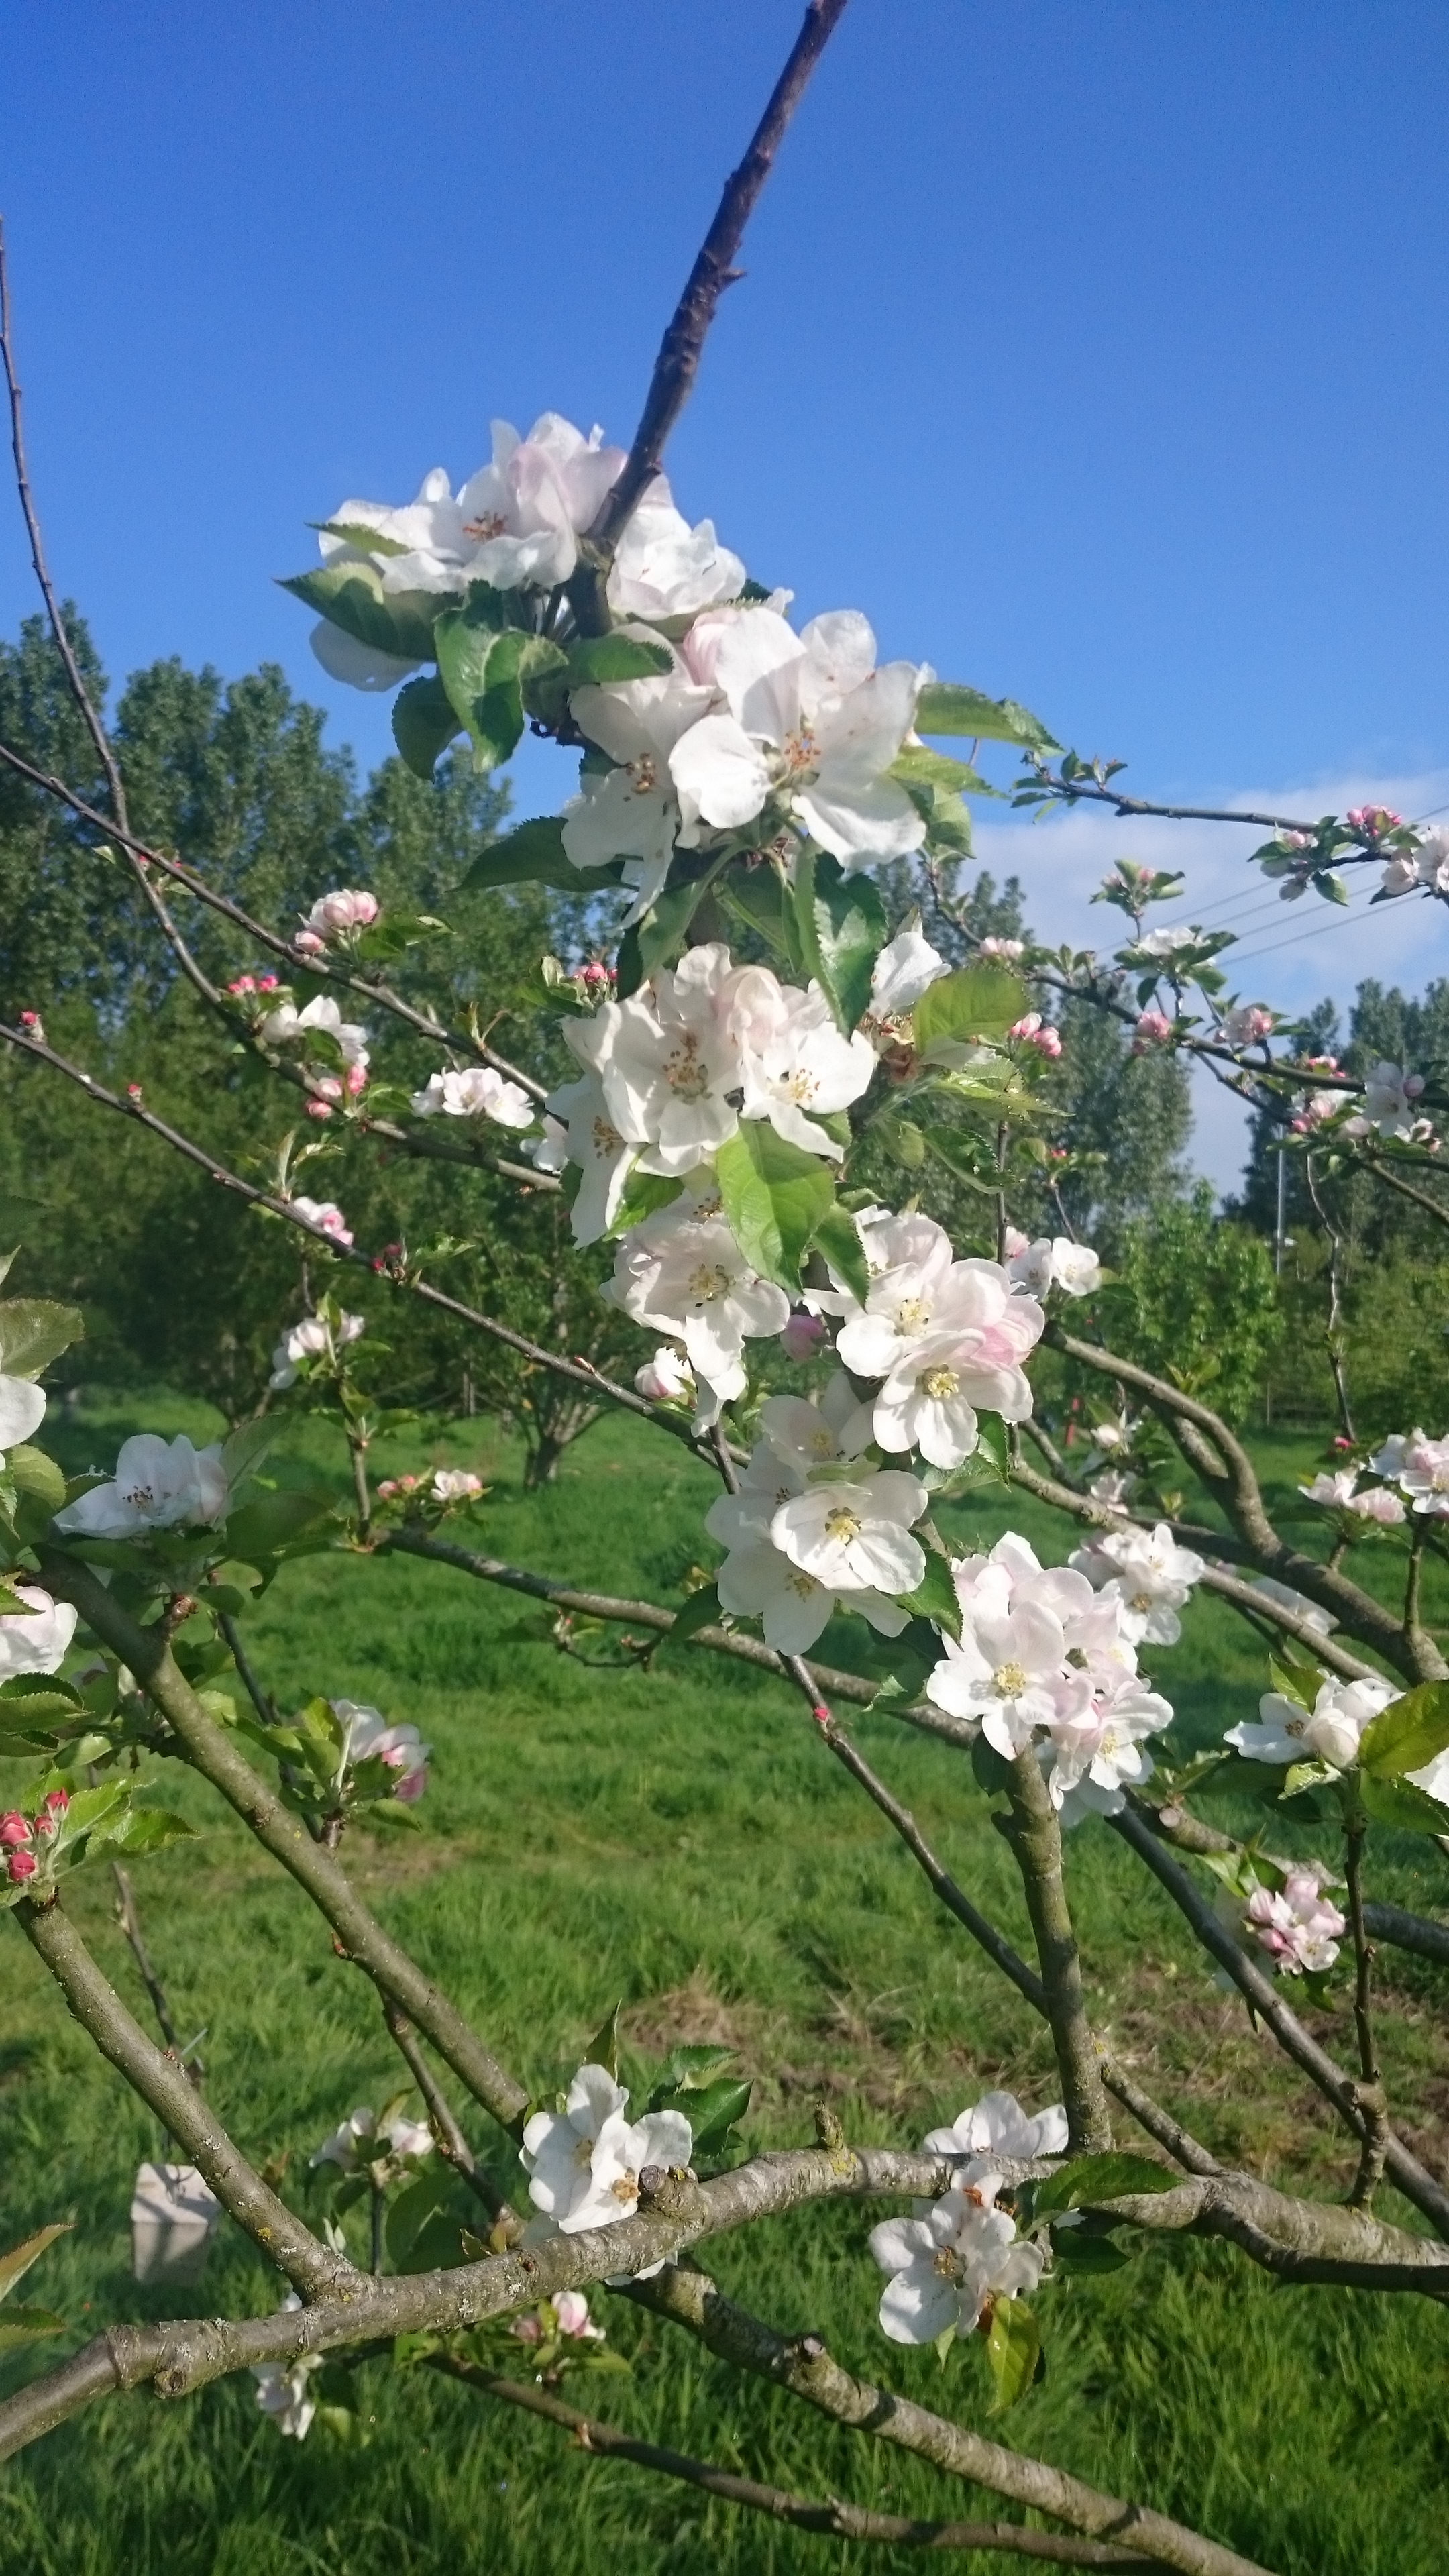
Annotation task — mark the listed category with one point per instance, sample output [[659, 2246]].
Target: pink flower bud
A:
[[32, 1021], [14, 1829], [802, 1335], [267, 983], [356, 1080], [1154, 1028], [46, 1828], [319, 1109], [133, 1091], [57, 1800], [243, 984], [20, 1866], [308, 943]]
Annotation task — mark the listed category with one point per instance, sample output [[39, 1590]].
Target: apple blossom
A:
[[794, 1060], [692, 1281], [666, 1379], [668, 1062], [1008, 951], [802, 1336], [522, 514], [323, 1013], [337, 915], [1164, 946], [998, 2126], [22, 1410], [313, 1339], [947, 2266], [664, 568], [1388, 1102], [632, 812], [1113, 1489], [1008, 1673], [1328, 1733], [37, 1640], [1149, 1574], [906, 968], [158, 1484], [479, 1090], [805, 1433], [856, 1536], [1054, 1262], [1335, 1492], [358, 2141], [1100, 1746], [1379, 1505], [810, 721], [1424, 1474], [584, 2161], [571, 2313], [325, 1215], [1033, 1030], [1247, 1025], [367, 1736], [592, 1143], [1152, 1028], [1295, 1923], [549, 1150], [456, 1485], [911, 1263]]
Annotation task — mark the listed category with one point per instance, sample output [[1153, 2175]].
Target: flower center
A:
[[1295, 1726], [645, 773], [491, 524], [800, 1085], [821, 1443], [606, 1139], [584, 2153], [913, 1314], [938, 1383], [800, 752], [140, 1498], [842, 1524], [1140, 1601], [625, 2187], [804, 1584], [685, 1075], [1009, 1680], [708, 1280], [947, 2264]]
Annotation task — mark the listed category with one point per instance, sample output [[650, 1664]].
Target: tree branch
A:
[[130, 1923], [836, 2520], [1033, 1830], [803, 2365], [311, 2267]]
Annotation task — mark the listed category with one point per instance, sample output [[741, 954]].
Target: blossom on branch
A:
[[325, 1215], [947, 2266], [1056, 1262], [1328, 1732], [1295, 1923], [478, 1091], [584, 2160], [158, 1484], [998, 2126], [37, 1640], [1148, 1574], [314, 1338]]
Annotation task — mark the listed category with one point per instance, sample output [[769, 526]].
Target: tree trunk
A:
[[541, 1465]]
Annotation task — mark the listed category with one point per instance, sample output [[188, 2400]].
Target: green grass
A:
[[678, 1838]]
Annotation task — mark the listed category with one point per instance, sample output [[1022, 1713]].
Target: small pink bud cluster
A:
[[133, 1091], [1034, 1031], [335, 916], [1296, 1924], [32, 1021], [1008, 950], [1154, 1028], [252, 984], [392, 1487], [391, 1258], [1370, 821], [1246, 1026], [594, 979], [308, 944], [18, 1833]]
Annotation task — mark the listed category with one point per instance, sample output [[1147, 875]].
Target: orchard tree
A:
[[743, 786]]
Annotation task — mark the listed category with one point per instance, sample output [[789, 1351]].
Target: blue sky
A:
[[1099, 352]]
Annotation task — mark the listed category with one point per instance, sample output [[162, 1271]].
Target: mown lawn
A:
[[678, 1838]]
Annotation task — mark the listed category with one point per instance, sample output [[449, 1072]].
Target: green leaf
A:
[[774, 1196], [935, 1596], [711, 2109], [945, 707], [603, 2048], [424, 722], [922, 768], [22, 2325], [482, 672], [353, 532], [534, 854], [643, 1193], [1090, 2180], [991, 1443], [149, 1829], [1013, 2349], [1074, 2250], [701, 1610], [976, 1002], [756, 897], [597, 660], [411, 2223], [658, 935], [840, 925], [1294, 1683], [243, 1452], [837, 1236], [1407, 1734], [351, 595], [271, 1521], [692, 2065], [34, 1331], [15, 2264], [1400, 1803]]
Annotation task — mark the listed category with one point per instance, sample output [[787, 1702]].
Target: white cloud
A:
[[1289, 954]]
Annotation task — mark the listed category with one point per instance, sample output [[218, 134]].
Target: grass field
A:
[[678, 1838]]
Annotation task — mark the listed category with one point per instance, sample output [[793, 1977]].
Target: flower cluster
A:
[[1047, 1660], [368, 1737], [445, 1485], [1295, 1922], [20, 1834], [322, 1016], [956, 2257], [1339, 1492], [326, 1216], [360, 2140], [1329, 1732], [335, 919], [1420, 1468], [478, 1091]]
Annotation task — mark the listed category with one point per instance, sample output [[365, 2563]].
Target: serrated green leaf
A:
[[149, 1829], [1294, 1683], [20, 2326], [1073, 2250], [921, 768], [975, 1002], [945, 707], [603, 2048], [482, 673], [534, 854], [1013, 2348], [597, 660], [15, 2264], [1403, 1805], [272, 1521], [424, 722], [991, 1444], [34, 1331], [837, 1237], [712, 2110], [1090, 2180], [935, 1596], [840, 928], [756, 897], [355, 532], [351, 595], [1407, 1734], [774, 1197]]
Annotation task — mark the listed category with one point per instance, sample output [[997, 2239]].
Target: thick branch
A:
[[804, 2366], [1403, 2169], [211, 1752], [836, 2520], [311, 2267]]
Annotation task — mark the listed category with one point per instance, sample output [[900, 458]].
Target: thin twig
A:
[[1333, 1337], [262, 1701], [1368, 2093], [130, 1923], [452, 2145]]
